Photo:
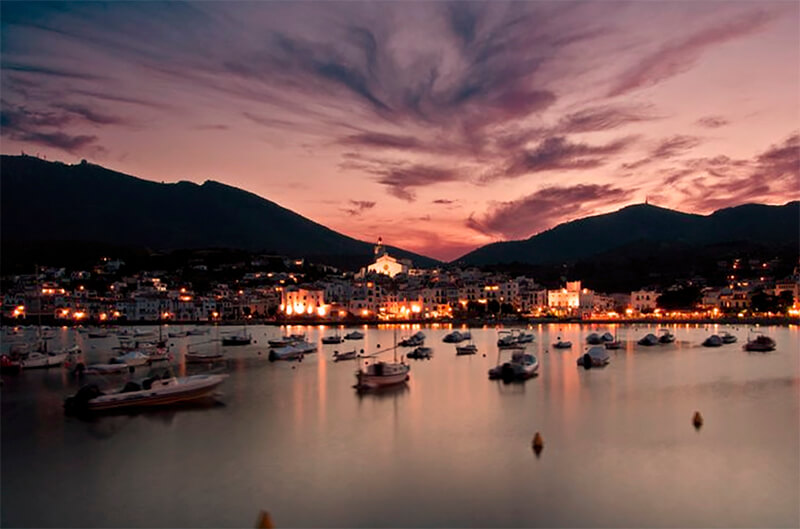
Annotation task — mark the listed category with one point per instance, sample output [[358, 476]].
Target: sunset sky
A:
[[438, 126]]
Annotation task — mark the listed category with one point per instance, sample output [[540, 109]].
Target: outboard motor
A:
[[587, 361], [79, 402]]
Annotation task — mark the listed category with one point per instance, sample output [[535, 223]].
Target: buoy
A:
[[538, 443], [264, 521], [697, 420]]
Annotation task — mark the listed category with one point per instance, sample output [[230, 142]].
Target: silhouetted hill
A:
[[50, 202], [644, 229]]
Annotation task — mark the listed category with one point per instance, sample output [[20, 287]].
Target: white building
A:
[[386, 264], [644, 300]]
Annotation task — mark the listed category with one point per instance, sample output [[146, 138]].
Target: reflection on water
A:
[[450, 448]]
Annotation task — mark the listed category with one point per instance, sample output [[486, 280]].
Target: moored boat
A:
[[38, 359], [414, 340], [506, 339], [133, 358], [594, 339], [335, 339], [594, 357], [666, 336], [152, 392], [347, 355], [608, 337], [521, 367], [469, 349], [728, 338], [197, 357], [241, 338], [561, 344], [760, 343], [712, 341], [649, 340], [354, 335], [382, 374], [453, 337], [421, 353], [525, 337], [295, 351]]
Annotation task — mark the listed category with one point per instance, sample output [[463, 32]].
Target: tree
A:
[[684, 298]]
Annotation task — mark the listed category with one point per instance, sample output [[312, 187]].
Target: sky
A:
[[437, 126]]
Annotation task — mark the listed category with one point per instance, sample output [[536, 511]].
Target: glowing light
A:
[[364, 312], [79, 315], [310, 311], [321, 312], [103, 316], [415, 309]]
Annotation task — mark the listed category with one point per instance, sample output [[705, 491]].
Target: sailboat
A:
[[383, 374], [205, 358], [41, 357], [614, 343], [241, 338]]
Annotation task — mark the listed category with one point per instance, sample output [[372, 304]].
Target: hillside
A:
[[45, 203]]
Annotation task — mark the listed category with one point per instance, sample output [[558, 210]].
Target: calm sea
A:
[[451, 449]]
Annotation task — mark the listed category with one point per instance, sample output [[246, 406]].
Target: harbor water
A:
[[450, 448]]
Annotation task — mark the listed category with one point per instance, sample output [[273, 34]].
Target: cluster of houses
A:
[[387, 290]]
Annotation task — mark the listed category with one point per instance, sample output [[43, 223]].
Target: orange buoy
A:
[[538, 443], [264, 521], [697, 420]]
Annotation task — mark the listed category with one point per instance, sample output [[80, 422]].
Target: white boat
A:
[[281, 342], [382, 374], [649, 340], [561, 344], [295, 351], [469, 349], [761, 343], [43, 359], [354, 335], [728, 337], [421, 353], [332, 339], [456, 337], [240, 338], [525, 337], [196, 357], [666, 336], [151, 392], [506, 339], [521, 366], [414, 340], [347, 355], [102, 369], [594, 357], [712, 341], [133, 358], [594, 339]]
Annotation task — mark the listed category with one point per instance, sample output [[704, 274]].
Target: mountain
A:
[[53, 204], [644, 226]]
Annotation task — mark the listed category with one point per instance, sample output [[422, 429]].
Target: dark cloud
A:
[[665, 149], [712, 122], [90, 115], [384, 141], [358, 207], [211, 127], [602, 118], [545, 208], [444, 201], [558, 153], [401, 180], [35, 70], [680, 55]]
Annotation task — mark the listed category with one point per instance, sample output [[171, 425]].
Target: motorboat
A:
[[713, 341], [196, 357], [414, 340], [614, 344], [335, 339], [197, 332], [521, 366], [133, 358], [666, 336], [382, 374], [453, 337], [507, 339], [525, 337], [38, 359], [649, 340], [728, 338], [151, 392], [280, 342], [561, 344], [421, 353], [102, 369], [594, 339], [241, 338], [347, 355], [298, 337], [608, 337], [469, 349], [99, 333], [761, 343], [594, 357], [354, 335], [295, 351]]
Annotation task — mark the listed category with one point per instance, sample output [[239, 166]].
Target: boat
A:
[[608, 337], [728, 337], [594, 339], [178, 334], [348, 355], [614, 344], [421, 353], [560, 344], [666, 336], [151, 392], [295, 351], [197, 332], [143, 334], [453, 337], [525, 337], [241, 338], [383, 374], [506, 339], [197, 357], [102, 369], [100, 333], [760, 343], [132, 358], [594, 357], [469, 349], [712, 341], [354, 335], [648, 340], [414, 340], [336, 338], [521, 367], [280, 342], [38, 359]]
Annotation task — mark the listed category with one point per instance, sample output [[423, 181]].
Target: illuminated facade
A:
[[386, 264], [303, 301]]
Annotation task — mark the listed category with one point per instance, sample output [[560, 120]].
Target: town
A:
[[288, 290]]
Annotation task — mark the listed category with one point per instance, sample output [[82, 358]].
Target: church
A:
[[386, 264]]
